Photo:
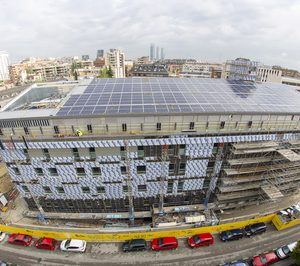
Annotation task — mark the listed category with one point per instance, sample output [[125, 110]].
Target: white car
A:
[[2, 236], [285, 251], [73, 245]]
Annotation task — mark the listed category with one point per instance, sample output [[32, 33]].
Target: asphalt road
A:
[[110, 253]]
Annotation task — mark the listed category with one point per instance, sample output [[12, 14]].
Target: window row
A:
[[101, 189]]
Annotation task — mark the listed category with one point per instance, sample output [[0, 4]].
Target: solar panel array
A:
[[179, 95]]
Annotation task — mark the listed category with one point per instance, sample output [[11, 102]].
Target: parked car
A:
[[265, 259], [229, 235], [236, 263], [285, 251], [134, 245], [164, 243], [255, 229], [2, 236], [20, 239], [46, 243], [73, 245], [200, 240]]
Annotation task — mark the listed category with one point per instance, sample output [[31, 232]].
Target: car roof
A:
[[236, 230], [76, 242], [19, 237], [258, 225], [205, 236], [47, 240], [138, 241]]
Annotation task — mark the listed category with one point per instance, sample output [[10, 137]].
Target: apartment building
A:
[[116, 60]]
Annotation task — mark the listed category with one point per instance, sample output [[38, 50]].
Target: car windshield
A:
[[228, 233], [67, 245], [26, 238], [286, 250], [196, 239], [160, 241], [263, 259]]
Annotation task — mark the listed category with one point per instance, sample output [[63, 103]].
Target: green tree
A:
[[103, 73], [110, 72], [296, 254], [75, 75]]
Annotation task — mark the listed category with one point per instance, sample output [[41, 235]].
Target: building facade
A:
[[4, 62], [241, 69], [117, 145], [116, 60]]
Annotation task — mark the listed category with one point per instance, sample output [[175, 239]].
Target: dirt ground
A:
[[5, 181]]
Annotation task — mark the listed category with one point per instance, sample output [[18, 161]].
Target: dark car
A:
[[236, 263], [134, 245], [229, 235], [255, 229]]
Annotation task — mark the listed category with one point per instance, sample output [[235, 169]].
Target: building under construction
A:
[[131, 147]]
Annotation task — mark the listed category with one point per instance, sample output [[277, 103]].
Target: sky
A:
[[207, 30]]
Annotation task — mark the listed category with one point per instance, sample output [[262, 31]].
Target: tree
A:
[[75, 75], [296, 254], [110, 72]]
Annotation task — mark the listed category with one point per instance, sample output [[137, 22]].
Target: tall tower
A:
[[152, 52], [162, 54], [100, 53], [4, 62], [157, 53]]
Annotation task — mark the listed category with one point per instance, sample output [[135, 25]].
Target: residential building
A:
[[99, 62], [85, 57], [268, 74], [143, 60], [241, 69], [49, 72], [149, 70], [115, 58], [4, 62], [201, 70], [128, 146]]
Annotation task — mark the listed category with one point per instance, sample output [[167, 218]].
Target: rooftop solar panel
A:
[[175, 95]]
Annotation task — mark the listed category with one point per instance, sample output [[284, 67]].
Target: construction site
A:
[[153, 151]]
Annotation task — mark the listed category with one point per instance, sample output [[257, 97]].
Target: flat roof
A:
[[170, 96]]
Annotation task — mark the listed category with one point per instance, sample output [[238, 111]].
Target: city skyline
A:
[[211, 31]]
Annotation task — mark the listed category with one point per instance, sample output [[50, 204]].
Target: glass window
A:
[[80, 171], [100, 190], [142, 188], [53, 171], [141, 169], [85, 189], [96, 170]]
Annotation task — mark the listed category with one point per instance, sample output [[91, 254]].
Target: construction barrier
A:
[[147, 235], [280, 225]]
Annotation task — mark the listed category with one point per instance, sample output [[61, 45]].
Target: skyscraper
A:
[[162, 54], [157, 53], [4, 72], [100, 53], [152, 52]]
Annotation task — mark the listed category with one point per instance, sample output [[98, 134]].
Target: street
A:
[[111, 254]]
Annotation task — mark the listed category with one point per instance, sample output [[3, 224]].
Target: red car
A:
[[20, 239], [265, 259], [46, 243], [164, 243], [200, 240]]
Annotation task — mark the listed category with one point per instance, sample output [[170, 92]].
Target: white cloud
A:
[[191, 28]]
